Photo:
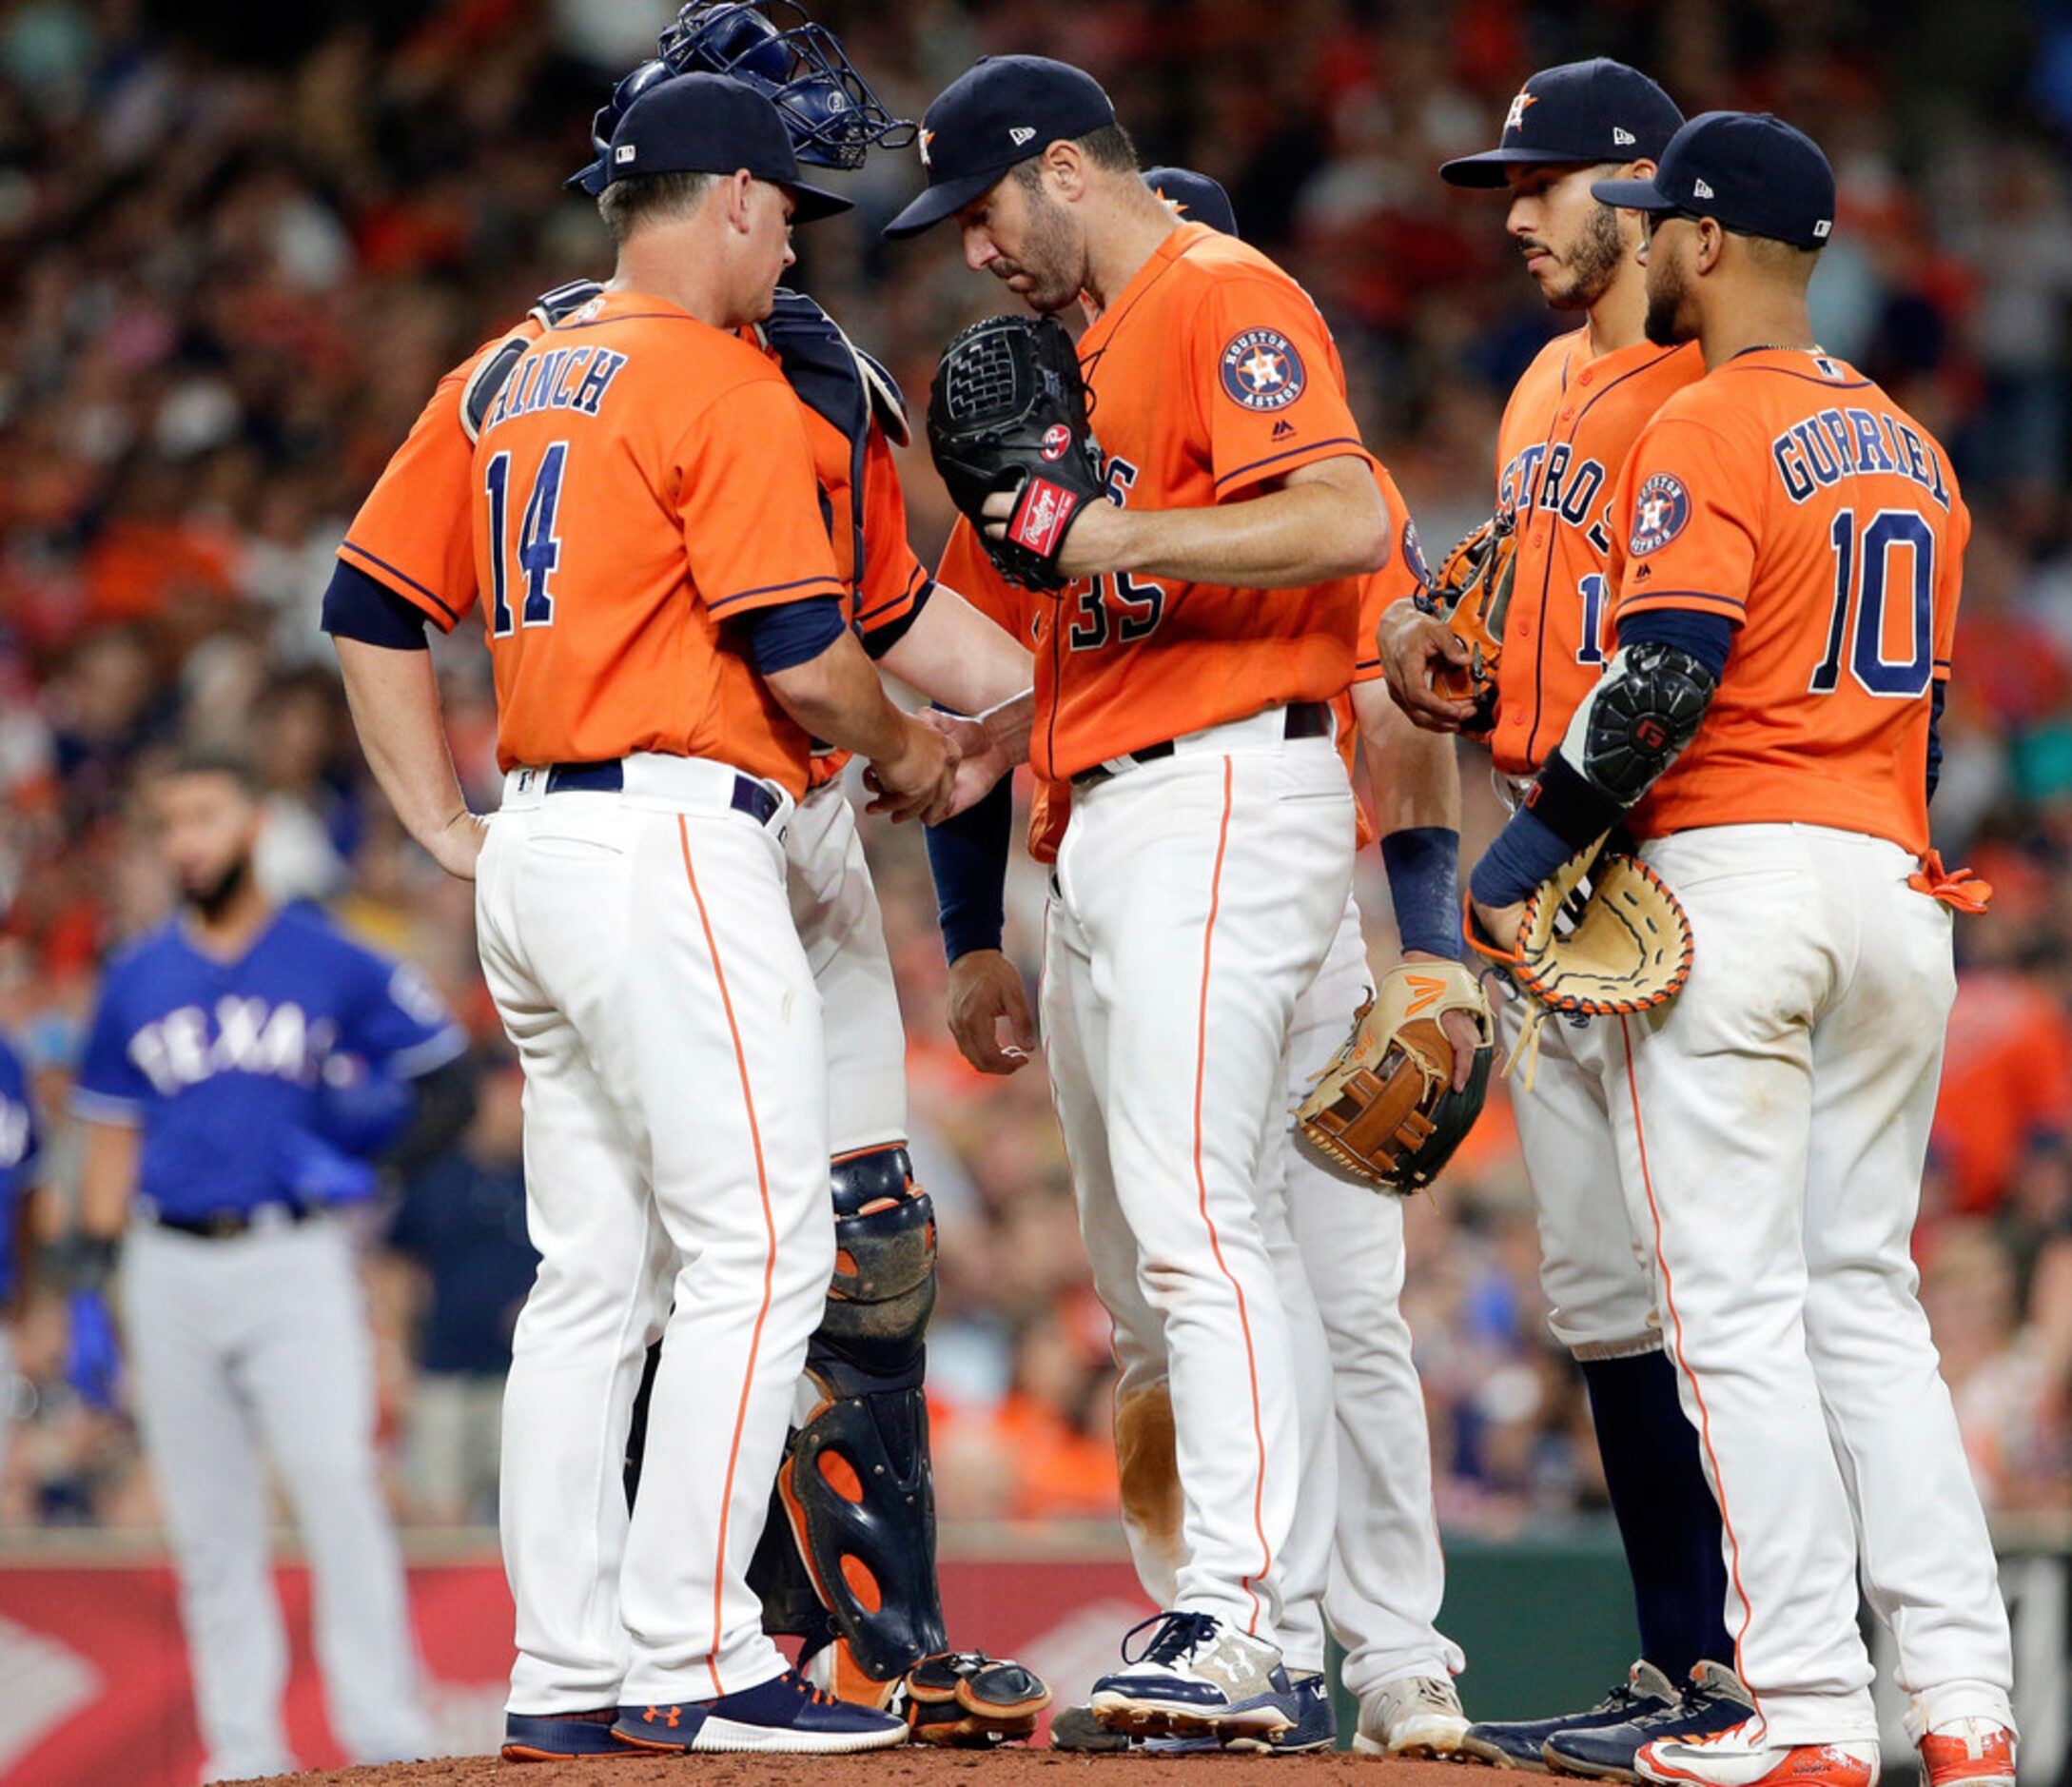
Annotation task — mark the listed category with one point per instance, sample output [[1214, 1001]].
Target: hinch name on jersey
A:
[[561, 378], [1838, 444]]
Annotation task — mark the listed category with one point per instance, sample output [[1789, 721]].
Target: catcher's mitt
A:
[[1602, 936], [1384, 1114], [1473, 595], [1008, 411]]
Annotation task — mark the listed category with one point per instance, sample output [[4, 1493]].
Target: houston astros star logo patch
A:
[[1261, 370], [1514, 118], [1660, 509]]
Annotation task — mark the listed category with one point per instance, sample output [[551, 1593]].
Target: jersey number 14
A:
[[539, 545]]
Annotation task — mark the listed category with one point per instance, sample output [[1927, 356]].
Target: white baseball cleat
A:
[[1196, 1675], [1743, 1755], [1413, 1715]]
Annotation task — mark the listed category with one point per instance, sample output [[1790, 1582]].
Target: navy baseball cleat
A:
[[1196, 1675], [1645, 1690], [1316, 1724], [785, 1715], [558, 1736], [1712, 1700]]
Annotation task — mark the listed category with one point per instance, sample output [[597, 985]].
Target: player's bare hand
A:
[[1500, 924], [458, 843], [1413, 645], [1096, 541], [981, 759], [986, 991], [919, 782], [1460, 1028]]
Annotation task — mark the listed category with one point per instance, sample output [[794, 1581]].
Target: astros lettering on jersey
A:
[[1566, 434], [1790, 494]]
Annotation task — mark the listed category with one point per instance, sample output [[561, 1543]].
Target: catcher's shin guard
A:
[[848, 1559]]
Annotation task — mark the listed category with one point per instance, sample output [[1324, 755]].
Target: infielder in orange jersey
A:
[[666, 624], [1184, 683], [1566, 432], [1786, 568], [855, 1582], [1363, 1552]]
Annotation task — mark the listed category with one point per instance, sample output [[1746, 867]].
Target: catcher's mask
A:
[[833, 117]]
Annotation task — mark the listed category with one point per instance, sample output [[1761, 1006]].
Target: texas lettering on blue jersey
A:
[[21, 1146], [219, 1062]]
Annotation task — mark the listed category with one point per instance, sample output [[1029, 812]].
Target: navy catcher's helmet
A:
[[833, 117]]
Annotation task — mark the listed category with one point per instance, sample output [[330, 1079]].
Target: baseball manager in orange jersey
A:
[[666, 623], [1183, 682]]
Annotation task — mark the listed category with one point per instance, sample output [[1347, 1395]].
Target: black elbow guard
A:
[[1634, 723]]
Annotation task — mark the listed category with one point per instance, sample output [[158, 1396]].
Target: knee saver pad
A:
[[859, 1496], [884, 1288]]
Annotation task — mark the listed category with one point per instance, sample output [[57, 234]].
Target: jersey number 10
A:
[[1888, 531], [539, 545]]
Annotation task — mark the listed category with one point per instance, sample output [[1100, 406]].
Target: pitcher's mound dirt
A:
[[903, 1768]]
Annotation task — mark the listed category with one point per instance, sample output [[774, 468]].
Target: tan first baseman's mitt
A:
[[1384, 1114], [1602, 936]]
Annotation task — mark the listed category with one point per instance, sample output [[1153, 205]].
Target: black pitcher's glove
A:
[[1008, 411]]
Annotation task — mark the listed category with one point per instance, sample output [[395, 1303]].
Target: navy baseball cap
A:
[[707, 124], [1749, 171], [1598, 110], [999, 112], [1196, 197]]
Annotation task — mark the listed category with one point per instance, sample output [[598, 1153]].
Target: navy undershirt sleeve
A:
[[791, 634], [358, 607], [968, 856]]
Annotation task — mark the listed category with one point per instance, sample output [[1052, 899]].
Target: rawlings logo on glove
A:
[[1007, 412], [1385, 1114]]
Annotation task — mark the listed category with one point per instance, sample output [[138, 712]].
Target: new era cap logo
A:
[[1020, 135], [1822, 228], [1622, 137], [624, 153], [1701, 189]]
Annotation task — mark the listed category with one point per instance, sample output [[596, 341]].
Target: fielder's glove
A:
[[1471, 594], [1602, 936], [1385, 1114], [1008, 411]]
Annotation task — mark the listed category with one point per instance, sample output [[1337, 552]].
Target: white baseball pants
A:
[[641, 954], [1197, 899], [1387, 1576], [835, 908], [260, 1340], [1772, 1123]]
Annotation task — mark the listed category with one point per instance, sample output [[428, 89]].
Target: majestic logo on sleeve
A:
[[1660, 511], [1261, 370]]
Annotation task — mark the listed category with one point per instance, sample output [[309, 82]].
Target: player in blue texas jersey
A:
[[206, 1096], [21, 1154]]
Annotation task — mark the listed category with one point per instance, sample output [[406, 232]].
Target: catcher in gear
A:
[[1007, 414]]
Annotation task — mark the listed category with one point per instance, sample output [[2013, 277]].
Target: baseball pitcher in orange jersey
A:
[[1183, 682], [667, 625], [1565, 435], [1786, 570]]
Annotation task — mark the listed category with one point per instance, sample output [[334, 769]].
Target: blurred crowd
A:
[[237, 253]]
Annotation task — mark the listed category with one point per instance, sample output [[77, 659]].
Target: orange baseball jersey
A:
[[1566, 432], [640, 478], [1210, 374], [1790, 494], [965, 569]]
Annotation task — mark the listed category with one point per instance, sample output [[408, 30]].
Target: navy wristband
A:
[[356, 607], [968, 857], [1526, 852], [1423, 864]]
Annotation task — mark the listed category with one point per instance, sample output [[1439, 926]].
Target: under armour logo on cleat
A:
[[670, 1715]]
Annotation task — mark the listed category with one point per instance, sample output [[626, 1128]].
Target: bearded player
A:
[[1564, 434]]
